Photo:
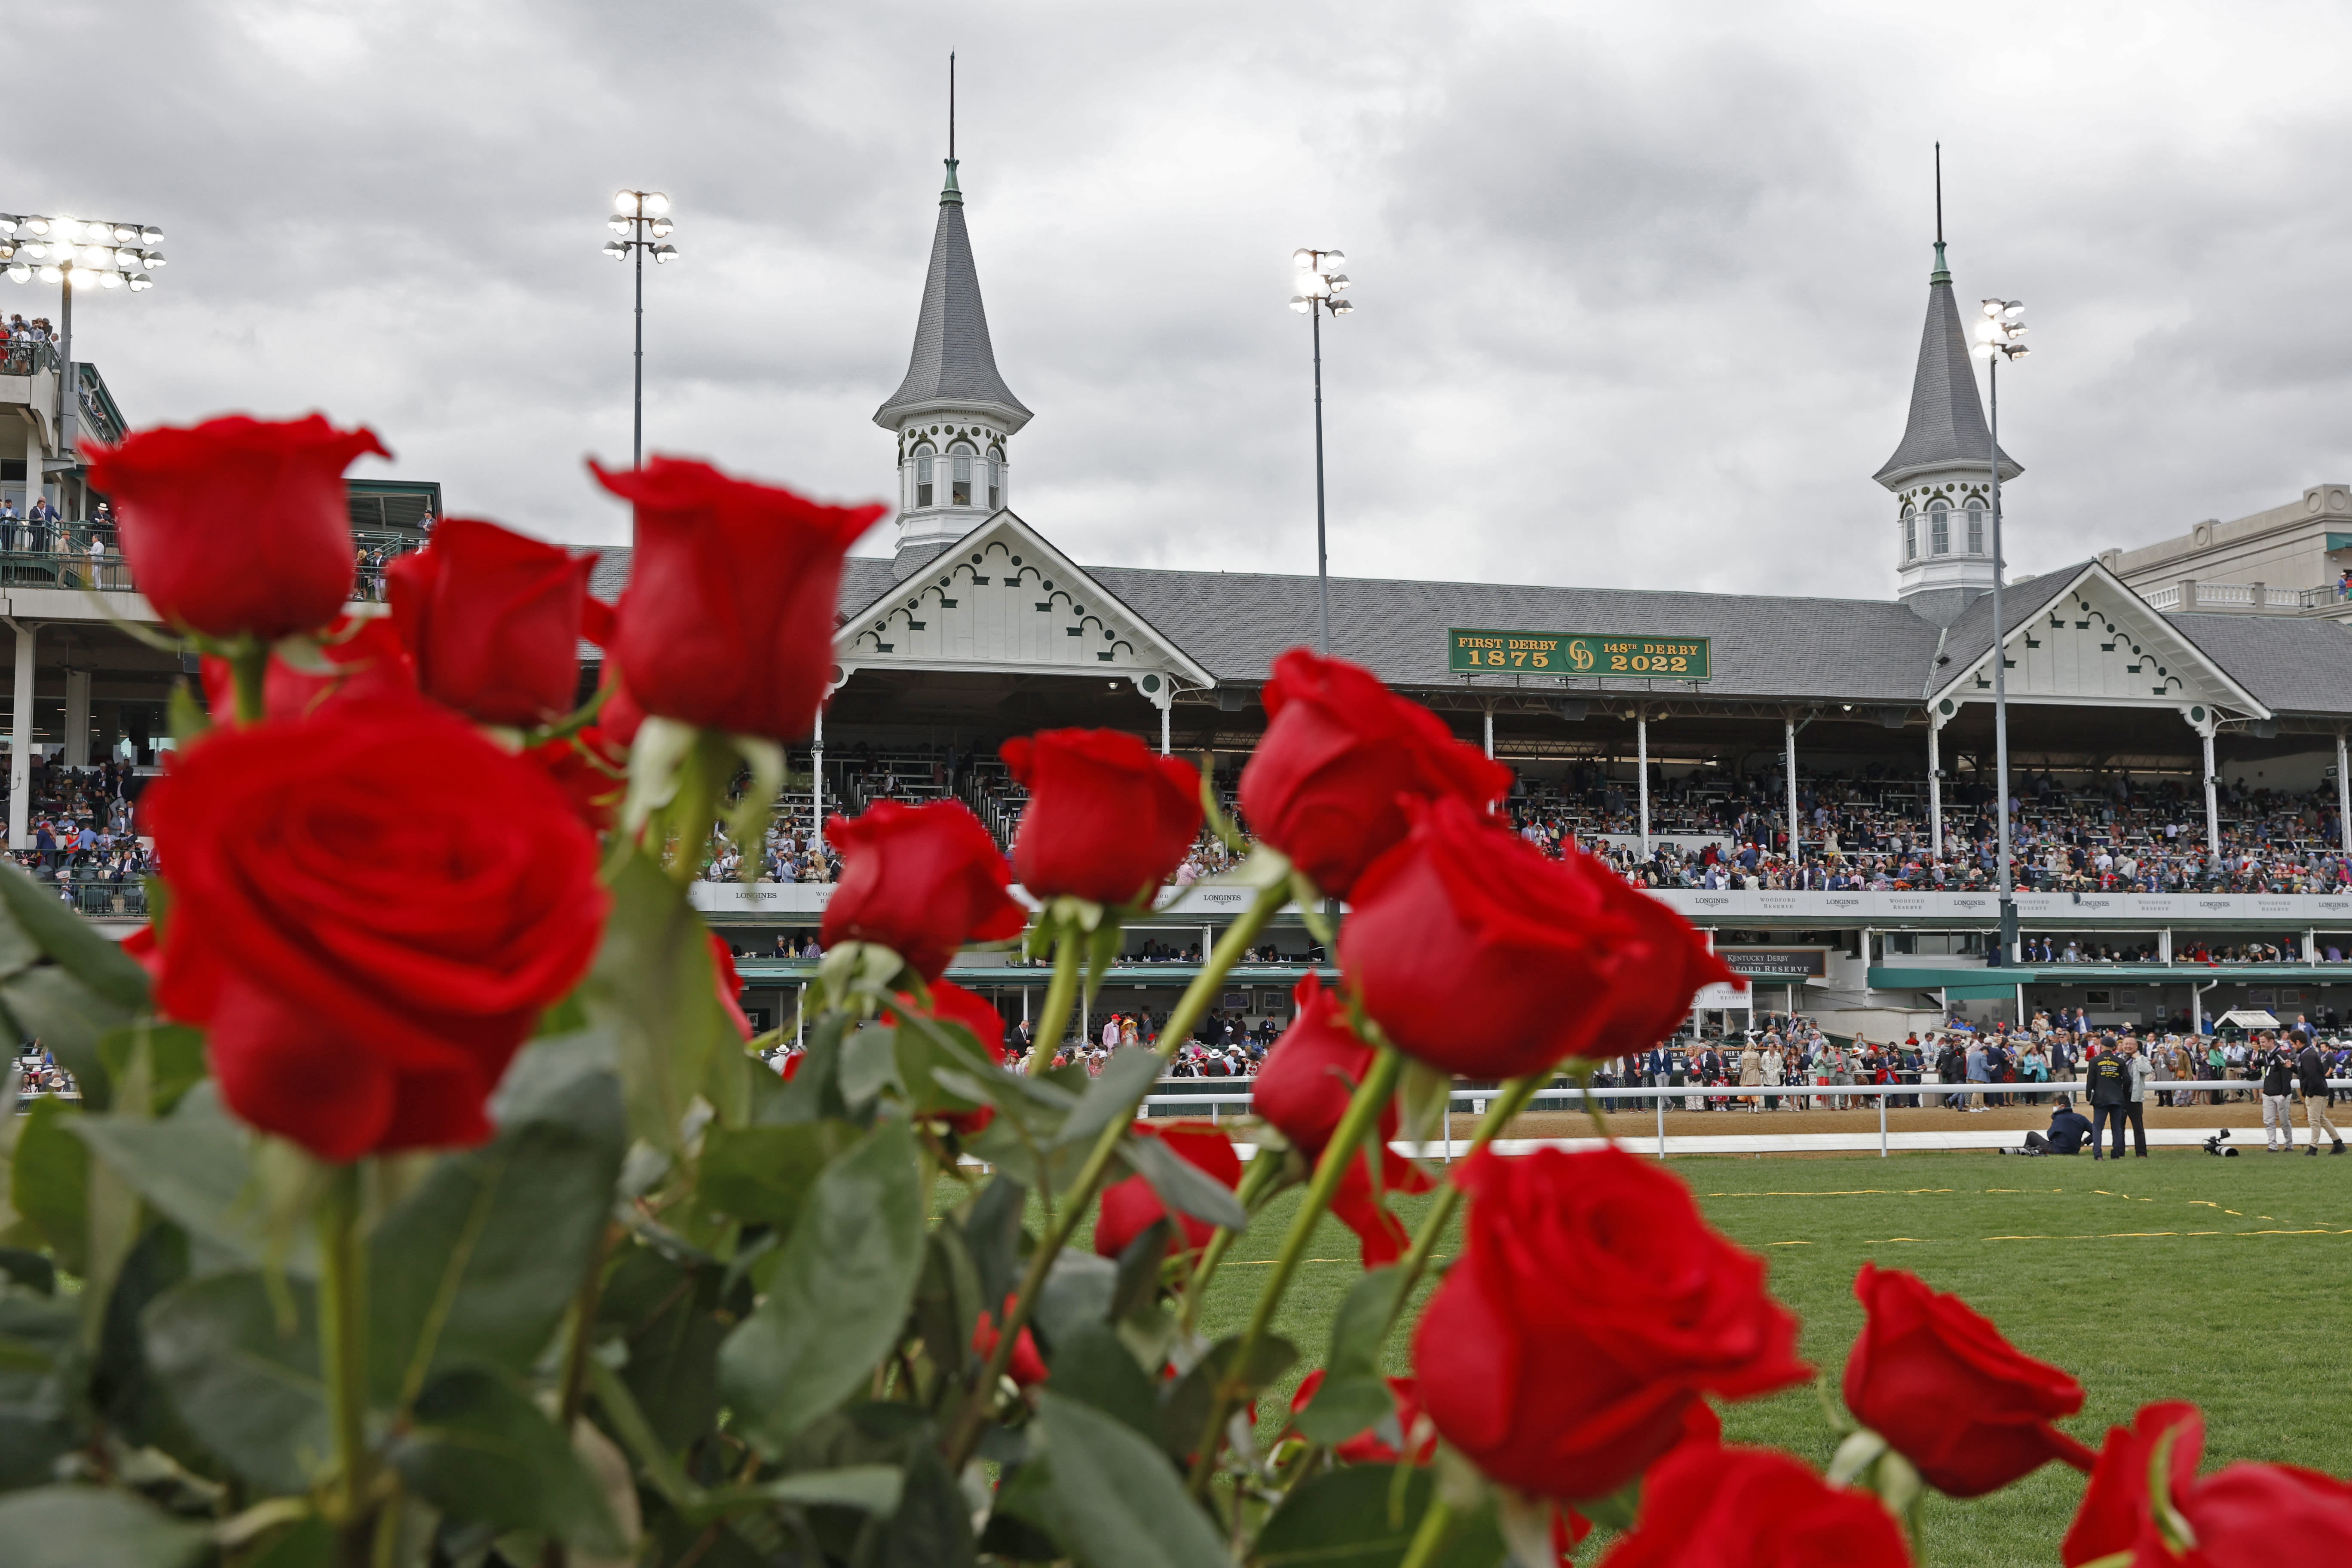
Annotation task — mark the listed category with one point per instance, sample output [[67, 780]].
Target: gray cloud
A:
[[1640, 286]]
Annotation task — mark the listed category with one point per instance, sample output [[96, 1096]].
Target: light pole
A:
[[1320, 284], [77, 252], [642, 218], [1999, 336]]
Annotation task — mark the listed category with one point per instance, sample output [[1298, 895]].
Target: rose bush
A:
[[493, 620], [1327, 783], [1592, 1306], [921, 881], [370, 908], [1108, 818], [1939, 1382], [726, 622]]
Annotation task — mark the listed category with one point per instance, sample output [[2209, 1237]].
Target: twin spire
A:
[[1946, 425]]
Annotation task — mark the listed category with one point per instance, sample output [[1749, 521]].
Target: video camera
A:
[[2213, 1146]]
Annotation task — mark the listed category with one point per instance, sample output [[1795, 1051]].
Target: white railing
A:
[[2255, 596]]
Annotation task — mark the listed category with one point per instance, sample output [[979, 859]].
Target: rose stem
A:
[[342, 1339], [1426, 1541], [1055, 1015], [248, 663], [1262, 1172], [1514, 1099], [964, 1437], [1347, 1144]]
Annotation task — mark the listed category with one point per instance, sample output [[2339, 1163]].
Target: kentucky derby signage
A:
[[1580, 653]]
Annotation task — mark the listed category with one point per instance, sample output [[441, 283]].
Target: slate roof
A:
[[953, 360], [2292, 665], [1946, 424]]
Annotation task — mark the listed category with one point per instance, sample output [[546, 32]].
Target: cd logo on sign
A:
[[1580, 655]]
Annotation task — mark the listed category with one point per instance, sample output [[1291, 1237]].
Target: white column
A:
[[1490, 732], [76, 737], [1164, 706], [20, 741], [816, 782], [2343, 798], [1642, 760], [2213, 804], [1789, 730], [1934, 785]]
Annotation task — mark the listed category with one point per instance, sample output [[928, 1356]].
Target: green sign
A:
[[1627, 656]]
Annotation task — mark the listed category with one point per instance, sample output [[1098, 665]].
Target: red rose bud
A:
[[1108, 820], [1340, 753], [619, 716], [1481, 956], [1591, 1307], [590, 771], [2116, 1508], [1304, 1089], [236, 525], [1025, 1367], [728, 619], [367, 658], [729, 984], [921, 881], [494, 619], [1939, 1382], [2242, 1516], [1376, 1445], [1757, 1508], [1131, 1207], [422, 897], [951, 1003]]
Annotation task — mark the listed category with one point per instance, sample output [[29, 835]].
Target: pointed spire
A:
[[1946, 425]]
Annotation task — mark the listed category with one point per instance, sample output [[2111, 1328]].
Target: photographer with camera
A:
[[2276, 1064]]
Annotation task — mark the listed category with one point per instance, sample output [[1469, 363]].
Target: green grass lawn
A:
[[2175, 1277]]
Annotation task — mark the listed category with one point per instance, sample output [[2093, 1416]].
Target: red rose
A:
[[951, 1003], [368, 660], [370, 909], [729, 984], [1108, 820], [1340, 750], [1937, 1380], [921, 880], [1753, 1507], [1304, 1089], [1026, 1366], [1482, 956], [726, 622], [619, 716], [494, 619], [236, 525], [1375, 1446], [592, 772], [2241, 1516], [1591, 1306], [1131, 1207]]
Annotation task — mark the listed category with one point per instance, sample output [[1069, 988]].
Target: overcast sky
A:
[[1640, 287]]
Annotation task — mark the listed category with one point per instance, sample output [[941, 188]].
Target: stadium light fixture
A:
[[77, 254], [1320, 287], [1999, 333], [642, 219]]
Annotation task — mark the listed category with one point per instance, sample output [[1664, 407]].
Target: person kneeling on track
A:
[[2068, 1128]]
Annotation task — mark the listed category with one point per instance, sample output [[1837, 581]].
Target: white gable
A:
[[2098, 642], [1001, 598]]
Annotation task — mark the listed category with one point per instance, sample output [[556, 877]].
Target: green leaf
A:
[[1093, 1365], [29, 1269], [663, 1313], [1079, 1289], [1117, 1502], [876, 1489], [993, 1233], [1341, 1519], [175, 1060], [1354, 1395], [98, 962], [1182, 1185], [813, 1091], [481, 1451], [476, 1266], [245, 1383], [939, 1077], [49, 1003], [49, 1181], [123, 1386], [41, 1372], [81, 1527], [762, 1175], [931, 1526], [1112, 1097], [1185, 1410], [870, 1063], [839, 1294], [947, 1298], [654, 987], [194, 1166]]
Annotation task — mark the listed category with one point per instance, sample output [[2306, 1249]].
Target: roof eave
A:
[[1011, 415]]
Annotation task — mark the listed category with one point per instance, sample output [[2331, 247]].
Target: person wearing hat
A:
[[2312, 1068]]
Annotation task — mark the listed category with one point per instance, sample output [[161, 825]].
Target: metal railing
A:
[[102, 897], [22, 356], [22, 566]]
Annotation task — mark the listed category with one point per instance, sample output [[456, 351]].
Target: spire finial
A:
[[951, 195], [1941, 274], [1940, 199]]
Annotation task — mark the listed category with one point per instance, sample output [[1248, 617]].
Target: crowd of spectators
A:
[[84, 841]]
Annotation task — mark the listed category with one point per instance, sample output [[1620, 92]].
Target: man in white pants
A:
[[2312, 1068], [2276, 1065]]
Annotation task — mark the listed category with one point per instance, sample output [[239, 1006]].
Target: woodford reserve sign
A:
[[1625, 655]]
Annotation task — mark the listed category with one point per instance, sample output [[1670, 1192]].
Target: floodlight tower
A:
[[1320, 287], [642, 218], [2000, 336]]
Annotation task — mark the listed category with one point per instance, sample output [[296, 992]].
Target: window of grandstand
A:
[[1940, 530], [1975, 528]]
